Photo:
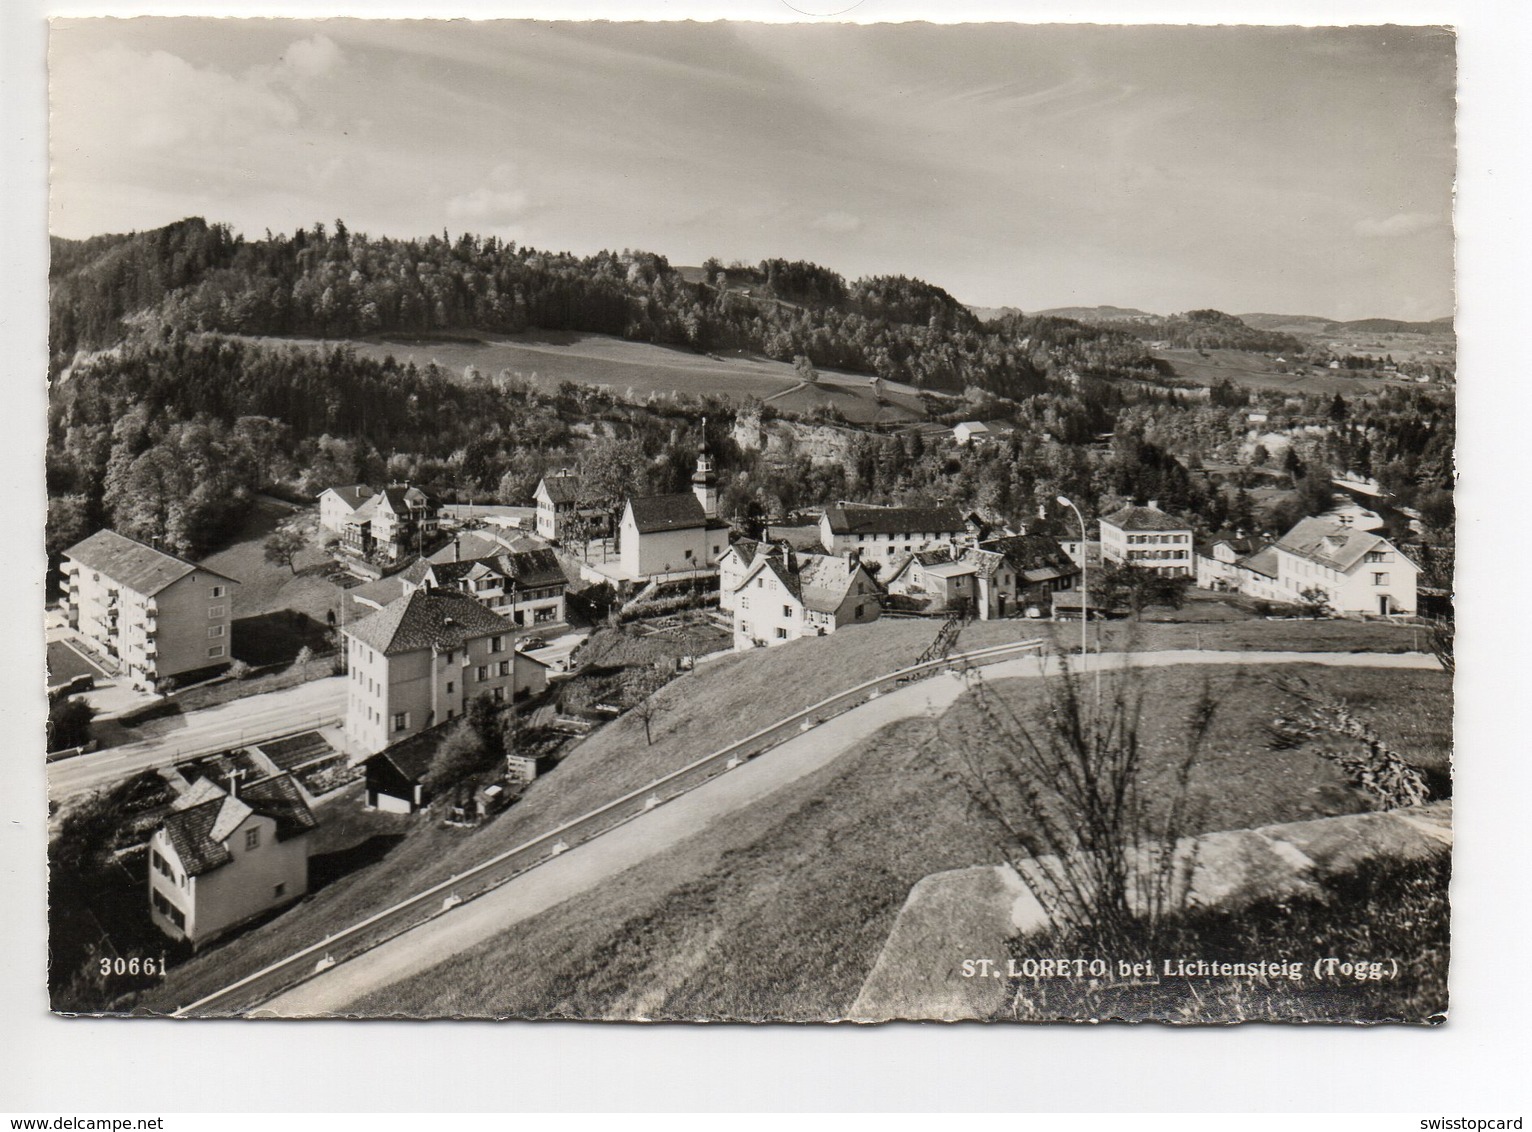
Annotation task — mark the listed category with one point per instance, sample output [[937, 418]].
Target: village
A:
[[459, 633]]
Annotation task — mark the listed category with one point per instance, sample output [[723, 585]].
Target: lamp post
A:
[[1084, 590]]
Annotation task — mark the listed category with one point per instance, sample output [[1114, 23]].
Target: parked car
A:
[[530, 642]]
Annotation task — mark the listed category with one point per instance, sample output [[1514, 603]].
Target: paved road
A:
[[253, 718], [603, 858]]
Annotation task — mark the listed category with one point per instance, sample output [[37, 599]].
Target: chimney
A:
[[1154, 505], [457, 548]]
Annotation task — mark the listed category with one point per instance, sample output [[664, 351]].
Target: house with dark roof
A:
[[419, 660], [1218, 561], [1147, 537], [396, 774], [1040, 568], [525, 587], [391, 524], [338, 504], [735, 562], [675, 535], [887, 535], [789, 594], [221, 858], [155, 615]]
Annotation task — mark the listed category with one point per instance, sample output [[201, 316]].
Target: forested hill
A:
[[332, 283], [1210, 330]]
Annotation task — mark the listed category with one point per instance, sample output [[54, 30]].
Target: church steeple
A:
[[705, 479]]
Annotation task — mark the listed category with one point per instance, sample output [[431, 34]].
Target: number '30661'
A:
[[149, 965]]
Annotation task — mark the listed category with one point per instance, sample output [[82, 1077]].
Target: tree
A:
[[484, 718], [642, 690], [283, 547], [805, 369], [1139, 587], [68, 722], [1315, 602], [461, 756]]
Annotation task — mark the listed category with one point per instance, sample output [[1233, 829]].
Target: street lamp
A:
[[1084, 590]]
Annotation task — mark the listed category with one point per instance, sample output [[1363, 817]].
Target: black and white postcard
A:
[[731, 522]]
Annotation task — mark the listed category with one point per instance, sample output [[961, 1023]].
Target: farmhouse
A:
[[1148, 537], [1219, 562], [1039, 567], [154, 614], [419, 660], [338, 504], [788, 595], [677, 534], [885, 535], [220, 859]]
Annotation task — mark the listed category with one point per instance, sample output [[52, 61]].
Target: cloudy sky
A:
[[1296, 170]]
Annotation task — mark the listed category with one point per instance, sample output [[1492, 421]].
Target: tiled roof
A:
[[423, 619], [1263, 561], [1032, 552], [206, 816], [382, 591], [1131, 518], [745, 548], [972, 426], [132, 564], [824, 580], [190, 835], [985, 562], [280, 799], [678, 512], [933, 557], [1329, 543], [854, 520], [562, 489], [529, 569]]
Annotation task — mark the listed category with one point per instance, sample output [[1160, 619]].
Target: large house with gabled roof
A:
[[153, 614], [419, 660], [525, 587], [392, 524], [790, 594], [223, 857], [337, 504], [1358, 571], [886, 535]]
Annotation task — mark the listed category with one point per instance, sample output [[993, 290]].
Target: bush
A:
[[239, 670]]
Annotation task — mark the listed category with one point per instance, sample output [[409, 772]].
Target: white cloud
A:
[[488, 205], [836, 222], [1399, 224], [312, 57]]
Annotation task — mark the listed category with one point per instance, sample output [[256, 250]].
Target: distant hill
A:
[[1096, 314], [1309, 324]]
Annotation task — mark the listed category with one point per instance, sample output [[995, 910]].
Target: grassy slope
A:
[[266, 586], [781, 911], [720, 702], [551, 357]]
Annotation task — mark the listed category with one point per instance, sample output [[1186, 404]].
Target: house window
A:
[[497, 644], [252, 839], [1379, 578], [744, 602], [781, 633], [215, 651], [401, 720], [787, 611], [450, 655], [278, 890], [483, 673], [215, 611], [505, 668], [449, 687], [216, 591], [498, 695], [688, 552], [1377, 556], [215, 631]]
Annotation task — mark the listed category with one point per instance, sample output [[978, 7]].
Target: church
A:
[[674, 535]]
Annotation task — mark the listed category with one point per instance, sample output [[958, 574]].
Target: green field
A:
[[780, 912], [1258, 372], [720, 702], [627, 369]]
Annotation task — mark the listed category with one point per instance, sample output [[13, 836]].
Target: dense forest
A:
[[332, 283]]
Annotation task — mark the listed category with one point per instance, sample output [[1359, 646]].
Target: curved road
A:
[[599, 860]]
